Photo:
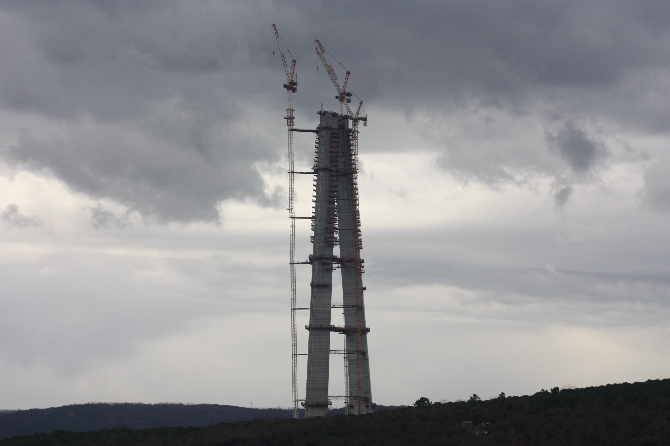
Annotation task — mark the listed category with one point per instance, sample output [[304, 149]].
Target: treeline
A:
[[615, 415]]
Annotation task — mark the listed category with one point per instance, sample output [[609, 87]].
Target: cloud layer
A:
[[158, 106]]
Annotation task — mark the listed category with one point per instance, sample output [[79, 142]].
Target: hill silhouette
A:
[[615, 415], [96, 416]]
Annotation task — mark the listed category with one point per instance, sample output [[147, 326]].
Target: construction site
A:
[[336, 245]]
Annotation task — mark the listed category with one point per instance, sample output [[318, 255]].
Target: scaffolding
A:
[[335, 220], [291, 87]]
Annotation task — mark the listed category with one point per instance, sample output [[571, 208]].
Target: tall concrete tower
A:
[[336, 221]]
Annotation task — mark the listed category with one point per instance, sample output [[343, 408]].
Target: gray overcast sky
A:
[[514, 195]]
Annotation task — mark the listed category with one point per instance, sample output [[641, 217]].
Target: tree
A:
[[477, 418], [502, 395], [474, 397], [422, 402]]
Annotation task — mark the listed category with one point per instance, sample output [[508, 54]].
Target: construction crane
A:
[[291, 76], [291, 87], [342, 94]]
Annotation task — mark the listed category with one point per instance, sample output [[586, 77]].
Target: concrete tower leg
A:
[[336, 219], [325, 227], [356, 345]]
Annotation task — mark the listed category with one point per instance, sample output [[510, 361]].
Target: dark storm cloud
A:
[[656, 191], [562, 195], [153, 174], [11, 217], [420, 51], [517, 267], [148, 103], [102, 218], [575, 146], [190, 82], [555, 61]]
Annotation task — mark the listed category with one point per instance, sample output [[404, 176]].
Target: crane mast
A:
[[291, 87]]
